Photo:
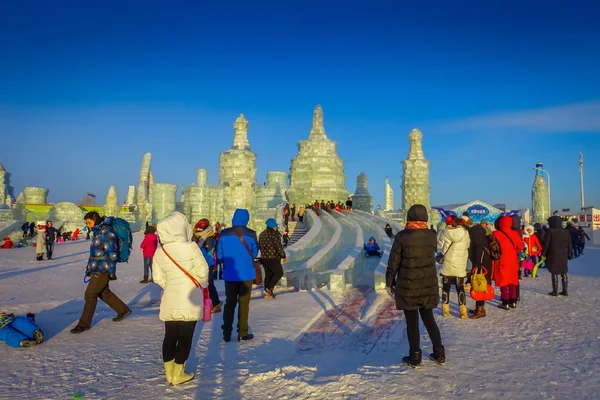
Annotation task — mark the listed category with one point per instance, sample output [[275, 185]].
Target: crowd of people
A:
[[473, 255]]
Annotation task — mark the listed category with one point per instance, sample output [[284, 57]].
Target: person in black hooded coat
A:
[[479, 254], [557, 250], [540, 233], [412, 276]]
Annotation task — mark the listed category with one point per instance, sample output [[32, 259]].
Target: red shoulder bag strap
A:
[[194, 280]]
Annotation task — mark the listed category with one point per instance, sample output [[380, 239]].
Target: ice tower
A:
[[540, 197], [317, 172], [111, 208], [5, 188], [362, 200], [389, 195], [415, 174], [238, 174]]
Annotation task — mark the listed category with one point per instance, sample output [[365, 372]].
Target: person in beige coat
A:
[[453, 244], [40, 244], [182, 302]]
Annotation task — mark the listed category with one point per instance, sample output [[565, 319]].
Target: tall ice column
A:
[[389, 195], [540, 197]]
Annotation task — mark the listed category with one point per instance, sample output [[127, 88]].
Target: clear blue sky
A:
[[87, 87]]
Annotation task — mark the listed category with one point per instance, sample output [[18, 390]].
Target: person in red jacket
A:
[[506, 271], [148, 247], [534, 246], [8, 244]]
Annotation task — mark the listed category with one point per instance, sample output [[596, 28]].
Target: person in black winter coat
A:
[[557, 250], [540, 233], [574, 232], [349, 204], [51, 236], [479, 254], [31, 229], [271, 256], [412, 276], [581, 242]]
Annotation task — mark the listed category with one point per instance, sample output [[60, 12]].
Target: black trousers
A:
[[447, 282], [178, 340], [412, 328], [237, 293], [273, 271]]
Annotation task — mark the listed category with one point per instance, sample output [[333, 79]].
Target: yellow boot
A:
[[179, 375], [446, 310], [169, 365], [463, 311]]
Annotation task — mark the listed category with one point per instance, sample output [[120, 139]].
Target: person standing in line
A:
[[557, 251], [179, 268], [506, 273], [534, 247], [301, 214], [148, 247], [454, 245], [479, 254], [205, 238], [349, 204], [411, 277], [574, 232], [238, 247], [101, 268], [271, 256]]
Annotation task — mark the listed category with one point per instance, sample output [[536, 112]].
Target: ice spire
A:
[[415, 138], [240, 141], [318, 130]]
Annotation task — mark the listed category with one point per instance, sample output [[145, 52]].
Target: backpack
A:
[[124, 238], [494, 246]]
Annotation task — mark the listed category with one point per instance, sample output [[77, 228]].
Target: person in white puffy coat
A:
[[181, 302], [454, 244]]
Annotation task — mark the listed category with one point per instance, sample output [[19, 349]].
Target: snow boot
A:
[[216, 309], [169, 366], [565, 284], [38, 336], [79, 329], [446, 310], [39, 257], [27, 343], [413, 360], [504, 305], [145, 280], [463, 311], [513, 303], [121, 317], [438, 355], [479, 312], [179, 375], [249, 336], [554, 291]]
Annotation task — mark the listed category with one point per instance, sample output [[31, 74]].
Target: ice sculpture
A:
[[540, 198], [130, 199], [66, 215], [317, 172], [238, 174], [111, 207], [272, 193], [415, 174], [163, 200], [202, 200], [34, 195], [361, 199], [389, 195], [5, 188]]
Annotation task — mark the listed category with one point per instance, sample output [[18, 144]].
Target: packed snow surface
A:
[[308, 345]]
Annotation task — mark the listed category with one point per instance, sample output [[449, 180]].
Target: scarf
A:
[[203, 235], [416, 225]]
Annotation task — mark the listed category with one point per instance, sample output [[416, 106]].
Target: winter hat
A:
[[202, 224], [449, 219], [529, 230], [271, 223]]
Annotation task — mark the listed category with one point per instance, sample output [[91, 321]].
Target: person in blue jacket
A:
[[20, 331], [372, 248], [238, 272]]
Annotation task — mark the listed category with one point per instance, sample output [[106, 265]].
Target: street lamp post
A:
[[547, 174]]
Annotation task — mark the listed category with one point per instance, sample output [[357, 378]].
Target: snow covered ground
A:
[[315, 345]]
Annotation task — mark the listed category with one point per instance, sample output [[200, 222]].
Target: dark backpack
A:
[[494, 246]]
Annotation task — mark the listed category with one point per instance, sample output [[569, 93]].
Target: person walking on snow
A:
[[412, 277], [148, 248], [453, 246], [506, 273], [25, 228], [271, 256], [479, 254], [101, 268], [206, 240], [178, 267], [238, 247], [32, 228], [557, 251], [581, 242]]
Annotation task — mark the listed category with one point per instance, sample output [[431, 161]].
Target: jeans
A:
[[412, 328], [98, 288], [178, 340], [273, 272], [212, 290], [447, 282], [49, 249], [147, 266], [237, 293]]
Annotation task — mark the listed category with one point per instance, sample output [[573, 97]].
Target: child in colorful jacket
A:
[[148, 247], [20, 331]]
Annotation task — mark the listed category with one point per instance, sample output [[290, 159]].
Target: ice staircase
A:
[[297, 231]]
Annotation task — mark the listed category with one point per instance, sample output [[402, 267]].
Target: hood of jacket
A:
[[537, 227], [505, 223], [240, 217], [174, 228], [372, 238], [417, 212], [555, 222], [529, 230]]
